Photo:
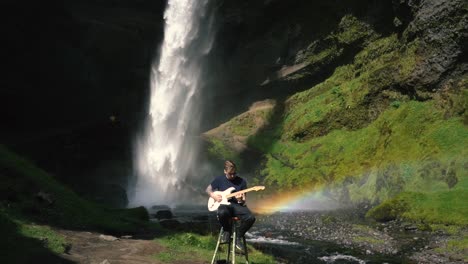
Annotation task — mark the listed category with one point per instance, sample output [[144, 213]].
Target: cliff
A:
[[371, 109]]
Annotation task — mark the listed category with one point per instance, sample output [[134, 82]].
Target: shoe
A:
[[240, 245], [225, 238]]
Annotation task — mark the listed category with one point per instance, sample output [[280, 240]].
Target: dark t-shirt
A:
[[221, 183]]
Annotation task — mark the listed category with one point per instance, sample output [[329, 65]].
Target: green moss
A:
[[219, 150], [352, 30], [448, 229], [248, 123], [363, 139], [392, 149], [347, 99], [363, 134], [447, 207]]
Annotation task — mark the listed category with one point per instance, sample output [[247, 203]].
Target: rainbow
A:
[[292, 201]]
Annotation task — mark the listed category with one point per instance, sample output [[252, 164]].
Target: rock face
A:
[[442, 27], [269, 43], [262, 41]]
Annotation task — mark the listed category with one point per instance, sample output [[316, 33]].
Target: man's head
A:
[[230, 168]]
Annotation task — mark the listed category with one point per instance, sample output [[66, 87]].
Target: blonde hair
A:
[[229, 166]]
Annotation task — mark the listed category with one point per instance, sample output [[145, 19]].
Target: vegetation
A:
[[30, 192], [447, 207], [221, 151], [456, 247], [185, 246], [230, 139], [33, 204], [366, 135]]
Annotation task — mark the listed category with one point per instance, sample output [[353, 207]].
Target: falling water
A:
[[165, 154]]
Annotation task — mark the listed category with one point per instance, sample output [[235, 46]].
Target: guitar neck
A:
[[240, 192]]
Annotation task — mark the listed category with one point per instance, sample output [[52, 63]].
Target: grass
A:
[[457, 247], [53, 241], [27, 219], [28, 243], [448, 207], [219, 150], [185, 246], [190, 246], [22, 182]]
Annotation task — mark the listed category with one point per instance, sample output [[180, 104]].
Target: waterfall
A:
[[165, 153]]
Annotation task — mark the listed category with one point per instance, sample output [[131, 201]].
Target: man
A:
[[236, 208]]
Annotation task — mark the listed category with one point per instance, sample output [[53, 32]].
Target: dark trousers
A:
[[225, 212]]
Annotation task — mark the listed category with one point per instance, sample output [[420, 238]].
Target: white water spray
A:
[[165, 153]]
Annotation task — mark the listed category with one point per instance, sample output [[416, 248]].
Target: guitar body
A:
[[213, 205]]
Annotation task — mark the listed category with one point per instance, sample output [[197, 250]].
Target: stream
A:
[[304, 237]]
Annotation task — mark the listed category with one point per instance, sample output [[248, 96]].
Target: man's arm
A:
[[216, 197]]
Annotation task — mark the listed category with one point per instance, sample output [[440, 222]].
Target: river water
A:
[[287, 244]]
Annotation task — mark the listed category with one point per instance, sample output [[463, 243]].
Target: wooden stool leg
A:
[[217, 246], [245, 250], [234, 235], [229, 251]]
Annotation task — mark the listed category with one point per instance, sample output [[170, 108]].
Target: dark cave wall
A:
[[77, 84]]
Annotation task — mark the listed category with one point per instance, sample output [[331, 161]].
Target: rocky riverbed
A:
[[337, 236], [397, 241]]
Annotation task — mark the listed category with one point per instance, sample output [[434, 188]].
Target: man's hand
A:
[[216, 197], [240, 198]]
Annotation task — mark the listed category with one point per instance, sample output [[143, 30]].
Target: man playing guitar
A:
[[236, 206]]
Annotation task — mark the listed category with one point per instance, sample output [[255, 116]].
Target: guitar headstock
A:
[[258, 188]]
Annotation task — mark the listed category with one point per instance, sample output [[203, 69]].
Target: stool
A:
[[231, 244]]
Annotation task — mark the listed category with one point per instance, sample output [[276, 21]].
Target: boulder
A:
[[45, 197], [170, 223], [163, 214]]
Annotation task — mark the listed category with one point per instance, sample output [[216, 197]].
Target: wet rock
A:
[[108, 238], [163, 214], [170, 224], [45, 197]]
